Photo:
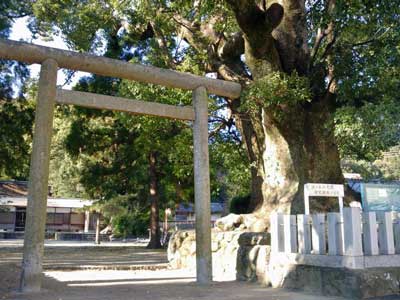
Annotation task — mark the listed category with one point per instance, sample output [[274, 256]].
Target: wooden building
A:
[[63, 214]]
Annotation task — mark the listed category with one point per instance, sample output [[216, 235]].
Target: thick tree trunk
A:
[[298, 146], [155, 236], [287, 153]]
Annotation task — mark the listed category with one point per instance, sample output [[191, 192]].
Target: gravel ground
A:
[[106, 284], [78, 255], [161, 284]]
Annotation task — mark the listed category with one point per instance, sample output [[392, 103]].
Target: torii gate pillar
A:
[[202, 187], [31, 276]]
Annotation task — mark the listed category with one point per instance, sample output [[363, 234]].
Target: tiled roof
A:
[[51, 202], [14, 193], [13, 188]]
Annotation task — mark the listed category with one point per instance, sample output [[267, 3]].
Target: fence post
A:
[[335, 234], [370, 233], [31, 276], [273, 219], [352, 231], [277, 238], [385, 233], [290, 233], [396, 231], [318, 234], [304, 234]]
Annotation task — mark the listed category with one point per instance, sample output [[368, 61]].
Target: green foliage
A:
[[364, 132], [230, 170], [128, 216], [366, 58], [386, 167], [276, 89], [16, 119], [240, 204], [78, 21], [390, 166], [16, 112], [12, 74], [367, 169], [65, 170]]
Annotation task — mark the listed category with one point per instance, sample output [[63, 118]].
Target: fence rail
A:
[[355, 239]]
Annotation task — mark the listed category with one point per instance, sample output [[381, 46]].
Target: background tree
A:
[[16, 112]]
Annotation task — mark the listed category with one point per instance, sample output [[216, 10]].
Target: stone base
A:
[[236, 255], [354, 284]]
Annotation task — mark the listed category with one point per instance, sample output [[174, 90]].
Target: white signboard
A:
[[322, 190]]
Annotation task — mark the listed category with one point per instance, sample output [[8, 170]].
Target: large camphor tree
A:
[[298, 62]]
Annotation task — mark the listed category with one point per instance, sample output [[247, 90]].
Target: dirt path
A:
[[151, 285], [76, 255], [107, 284]]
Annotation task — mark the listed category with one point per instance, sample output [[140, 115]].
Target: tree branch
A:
[[321, 34], [371, 40], [250, 16], [224, 53]]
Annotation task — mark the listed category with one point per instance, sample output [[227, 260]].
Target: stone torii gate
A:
[[51, 60]]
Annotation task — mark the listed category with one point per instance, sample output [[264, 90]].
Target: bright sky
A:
[[20, 31]]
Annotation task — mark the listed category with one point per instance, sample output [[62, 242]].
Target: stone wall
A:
[[372, 283], [236, 255]]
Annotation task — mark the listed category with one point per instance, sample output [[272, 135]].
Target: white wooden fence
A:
[[355, 240]]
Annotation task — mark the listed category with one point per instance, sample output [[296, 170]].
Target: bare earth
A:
[[75, 271]]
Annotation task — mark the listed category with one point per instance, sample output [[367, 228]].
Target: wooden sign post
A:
[[323, 190]]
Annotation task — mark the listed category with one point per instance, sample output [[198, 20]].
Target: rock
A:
[[260, 225], [245, 222], [220, 236], [228, 236], [214, 246], [229, 222], [192, 250], [261, 264], [254, 238], [235, 253]]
